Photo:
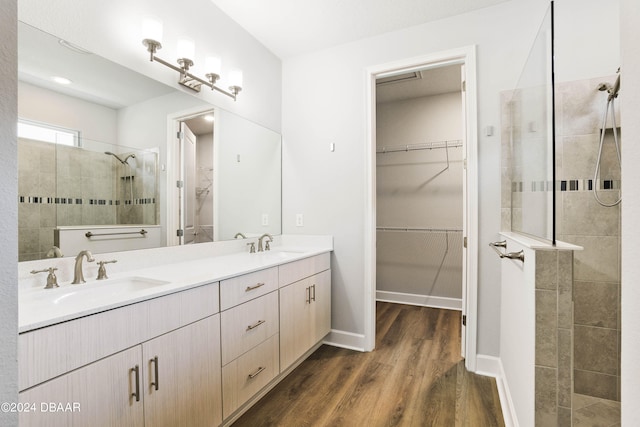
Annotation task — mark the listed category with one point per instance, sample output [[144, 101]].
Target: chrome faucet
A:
[[239, 235], [266, 247], [78, 276]]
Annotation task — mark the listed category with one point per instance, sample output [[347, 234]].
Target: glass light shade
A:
[[213, 65], [186, 49], [235, 78], [152, 29]]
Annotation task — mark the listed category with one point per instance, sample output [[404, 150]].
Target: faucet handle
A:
[[252, 247], [266, 246], [102, 271], [52, 280]]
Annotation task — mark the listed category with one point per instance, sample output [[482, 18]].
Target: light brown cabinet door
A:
[[100, 394], [295, 313], [182, 377]]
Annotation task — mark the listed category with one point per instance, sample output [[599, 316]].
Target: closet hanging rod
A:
[[421, 229], [422, 146]]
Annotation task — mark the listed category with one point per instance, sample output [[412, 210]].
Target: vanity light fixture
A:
[[186, 51]]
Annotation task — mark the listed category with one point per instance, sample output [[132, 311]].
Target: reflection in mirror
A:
[[106, 108], [65, 191]]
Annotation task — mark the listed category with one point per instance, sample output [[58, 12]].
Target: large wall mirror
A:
[[100, 166]]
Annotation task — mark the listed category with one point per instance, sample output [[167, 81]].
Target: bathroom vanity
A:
[[192, 342]]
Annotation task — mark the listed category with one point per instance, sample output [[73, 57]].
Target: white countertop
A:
[[40, 307]]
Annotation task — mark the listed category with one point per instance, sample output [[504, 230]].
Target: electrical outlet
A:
[[299, 220], [265, 219]]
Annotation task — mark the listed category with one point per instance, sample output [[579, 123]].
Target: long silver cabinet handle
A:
[[255, 325], [136, 393], [307, 295], [257, 372], [313, 298], [256, 286], [510, 255], [156, 382]]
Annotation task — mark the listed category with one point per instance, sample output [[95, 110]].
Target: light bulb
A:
[[213, 65], [186, 49], [152, 29], [235, 78]]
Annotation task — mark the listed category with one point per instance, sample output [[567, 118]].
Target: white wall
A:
[[113, 30], [630, 110], [95, 122], [9, 217], [324, 101]]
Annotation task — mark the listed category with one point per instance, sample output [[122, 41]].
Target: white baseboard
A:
[[345, 339], [421, 300], [492, 366]]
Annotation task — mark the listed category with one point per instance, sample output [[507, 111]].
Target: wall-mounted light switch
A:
[[265, 219], [299, 220]]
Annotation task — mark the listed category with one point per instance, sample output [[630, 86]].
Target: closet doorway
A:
[[424, 207]]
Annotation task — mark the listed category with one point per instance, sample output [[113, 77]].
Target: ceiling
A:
[[293, 27], [428, 82]]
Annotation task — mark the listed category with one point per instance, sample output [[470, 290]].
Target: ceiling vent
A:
[[399, 78]]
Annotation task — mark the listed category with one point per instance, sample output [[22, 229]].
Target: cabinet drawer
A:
[[247, 325], [248, 374], [298, 270], [244, 288]]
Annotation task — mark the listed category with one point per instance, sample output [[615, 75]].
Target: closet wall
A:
[[420, 201]]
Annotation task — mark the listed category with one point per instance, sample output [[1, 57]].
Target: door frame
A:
[[173, 168], [467, 57]]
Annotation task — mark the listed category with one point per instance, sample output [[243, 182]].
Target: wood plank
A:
[[414, 377]]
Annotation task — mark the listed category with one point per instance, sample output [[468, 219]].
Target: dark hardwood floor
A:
[[415, 377]]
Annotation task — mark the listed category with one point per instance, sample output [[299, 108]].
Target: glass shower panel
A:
[[531, 140]]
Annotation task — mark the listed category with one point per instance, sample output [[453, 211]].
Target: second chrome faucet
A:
[[266, 247], [78, 275]]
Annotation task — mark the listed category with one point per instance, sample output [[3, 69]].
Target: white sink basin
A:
[[92, 292]]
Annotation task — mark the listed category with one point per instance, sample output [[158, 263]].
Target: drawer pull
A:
[[255, 325], [307, 295], [313, 298], [257, 372], [155, 383], [136, 393], [256, 286]]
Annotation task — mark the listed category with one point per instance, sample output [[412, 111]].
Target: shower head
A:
[[611, 89], [613, 92], [124, 162]]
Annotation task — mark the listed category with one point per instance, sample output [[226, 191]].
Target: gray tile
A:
[[546, 413], [596, 349], [598, 261], [565, 270], [583, 216], [546, 270], [596, 304], [595, 384], [564, 417], [601, 413], [546, 328], [565, 368], [565, 309]]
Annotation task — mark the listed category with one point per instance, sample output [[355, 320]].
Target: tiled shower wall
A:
[[582, 221], [59, 185]]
